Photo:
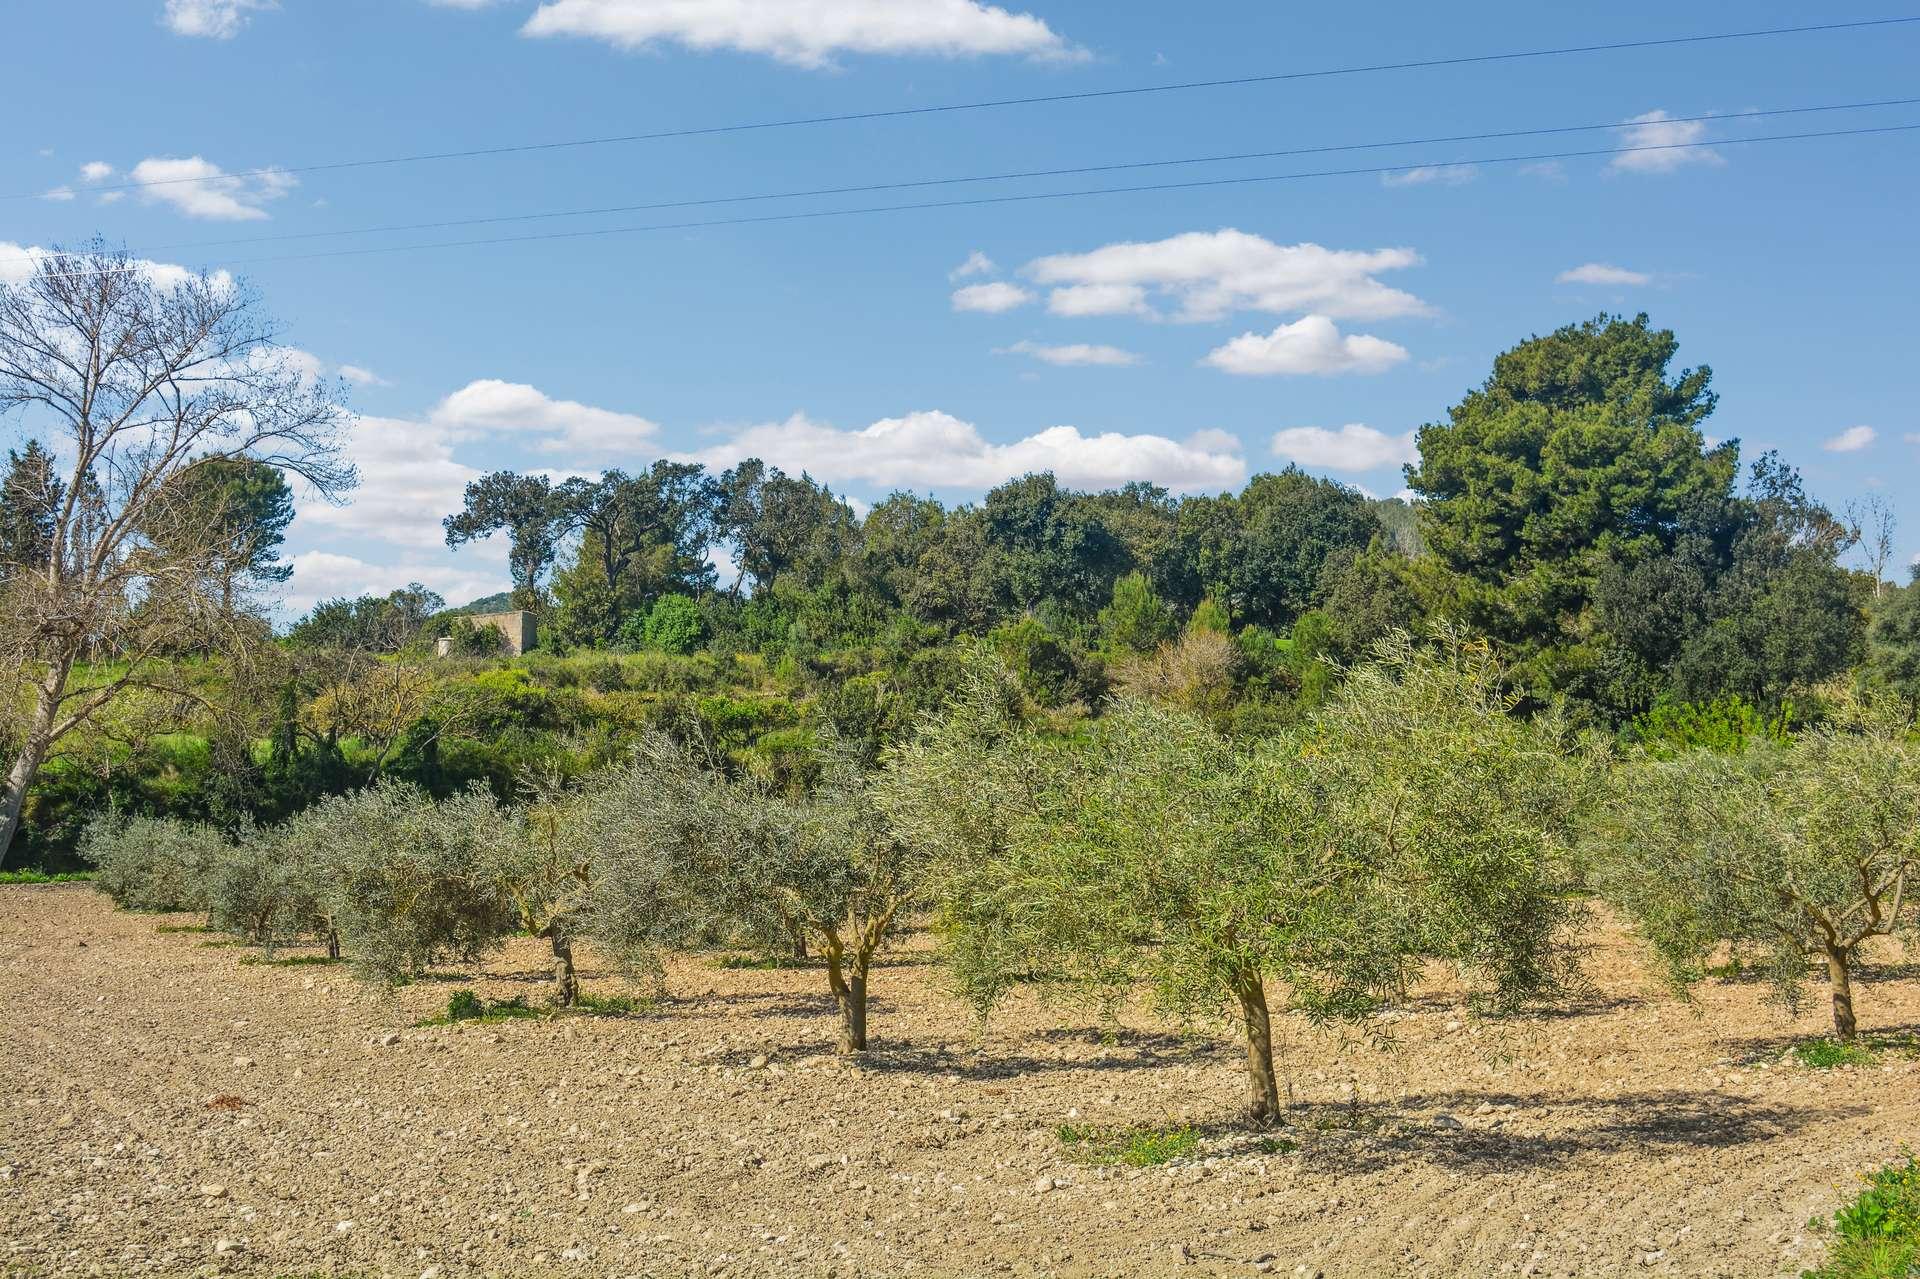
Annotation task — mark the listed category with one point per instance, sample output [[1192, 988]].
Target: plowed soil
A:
[[172, 1110]]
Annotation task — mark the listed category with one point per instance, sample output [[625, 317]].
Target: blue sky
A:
[[1191, 337]]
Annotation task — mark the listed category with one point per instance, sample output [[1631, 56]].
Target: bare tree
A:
[[140, 378], [1871, 521]]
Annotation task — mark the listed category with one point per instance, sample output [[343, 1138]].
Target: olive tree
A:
[[1414, 819], [406, 880], [152, 863], [275, 885], [150, 385], [547, 877], [1781, 853]]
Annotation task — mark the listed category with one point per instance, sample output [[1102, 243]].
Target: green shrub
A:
[[1825, 1054], [1877, 1236], [150, 863], [674, 625], [42, 877]]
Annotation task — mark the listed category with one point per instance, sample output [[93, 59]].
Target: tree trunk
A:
[[1841, 979], [850, 992], [566, 984], [1264, 1089], [799, 943], [333, 944], [26, 765]]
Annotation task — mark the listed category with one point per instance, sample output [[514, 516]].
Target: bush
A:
[[674, 625], [152, 864], [1877, 1236], [407, 878], [270, 889]]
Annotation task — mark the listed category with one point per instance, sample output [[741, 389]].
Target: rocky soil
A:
[[173, 1110]]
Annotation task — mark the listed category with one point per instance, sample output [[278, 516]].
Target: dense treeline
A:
[[1632, 577]]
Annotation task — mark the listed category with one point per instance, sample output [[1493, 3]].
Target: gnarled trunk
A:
[[566, 983], [1840, 977], [33, 753], [1263, 1088], [849, 983]]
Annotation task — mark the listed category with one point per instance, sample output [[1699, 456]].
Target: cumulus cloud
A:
[[1208, 275], [805, 34], [929, 450], [18, 261], [59, 194], [321, 575], [1851, 440], [1602, 273], [991, 298], [1310, 345], [361, 376], [200, 188], [1351, 448], [977, 263], [95, 171], [1656, 129], [409, 480], [492, 407], [1451, 175], [211, 19], [1071, 354]]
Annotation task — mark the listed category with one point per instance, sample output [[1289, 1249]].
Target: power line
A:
[[1029, 197], [1013, 176], [1036, 100]]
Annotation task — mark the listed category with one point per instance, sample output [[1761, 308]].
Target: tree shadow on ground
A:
[[1748, 1049], [1363, 1137]]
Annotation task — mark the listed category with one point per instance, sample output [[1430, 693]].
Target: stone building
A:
[[518, 628]]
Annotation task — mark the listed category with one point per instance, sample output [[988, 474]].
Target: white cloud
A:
[[991, 298], [977, 263], [1210, 274], [933, 450], [805, 33], [18, 261], [361, 377], [1351, 448], [1312, 344], [1655, 129], [1451, 175], [1602, 273], [213, 19], [95, 171], [1851, 440], [320, 575], [409, 481], [1099, 299], [201, 189], [58, 194], [493, 407], [1071, 354]]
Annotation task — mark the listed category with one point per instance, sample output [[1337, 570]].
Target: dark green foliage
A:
[[1137, 620], [1726, 725], [30, 495], [673, 625], [369, 624], [1264, 554], [1893, 655]]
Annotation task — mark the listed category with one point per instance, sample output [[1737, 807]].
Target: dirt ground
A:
[[173, 1111]]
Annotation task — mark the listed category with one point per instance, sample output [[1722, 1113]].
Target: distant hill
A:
[[499, 603]]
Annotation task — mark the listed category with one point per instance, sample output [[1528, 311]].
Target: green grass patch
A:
[[1130, 1147], [1877, 1236], [291, 961], [1825, 1054], [466, 1006], [42, 877]]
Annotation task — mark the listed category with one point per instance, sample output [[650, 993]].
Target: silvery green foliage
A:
[[270, 888], [1413, 818], [1779, 852], [404, 878], [151, 863], [660, 834]]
